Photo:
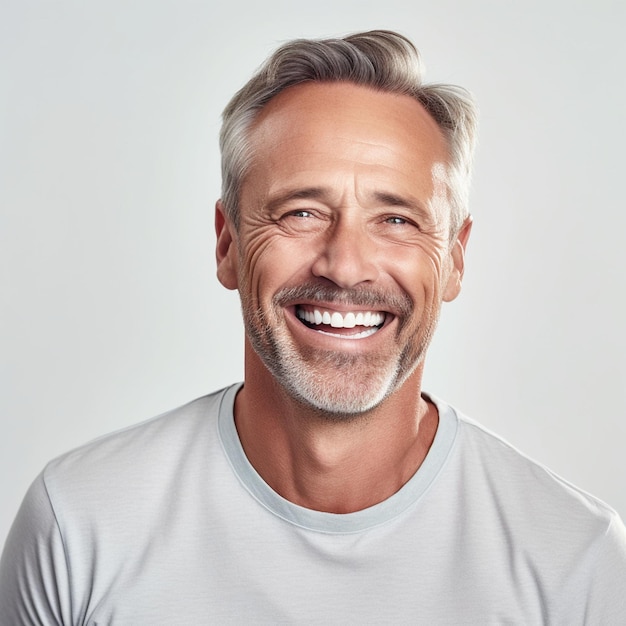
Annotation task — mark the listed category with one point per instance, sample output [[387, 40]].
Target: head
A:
[[343, 217], [381, 60]]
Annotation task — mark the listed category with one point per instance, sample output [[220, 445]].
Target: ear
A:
[[226, 249], [457, 253]]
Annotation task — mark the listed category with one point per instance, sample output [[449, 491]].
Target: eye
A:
[[300, 213], [398, 220], [398, 227], [301, 221], [394, 219]]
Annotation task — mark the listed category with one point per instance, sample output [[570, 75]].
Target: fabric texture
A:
[[166, 522]]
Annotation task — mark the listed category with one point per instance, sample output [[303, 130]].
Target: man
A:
[[328, 488]]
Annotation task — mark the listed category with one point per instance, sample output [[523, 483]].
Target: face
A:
[[342, 256]]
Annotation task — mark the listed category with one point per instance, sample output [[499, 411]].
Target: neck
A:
[[333, 465]]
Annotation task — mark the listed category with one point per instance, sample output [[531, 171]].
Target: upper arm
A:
[[34, 585]]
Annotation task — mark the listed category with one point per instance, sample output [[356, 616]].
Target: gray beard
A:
[[353, 384]]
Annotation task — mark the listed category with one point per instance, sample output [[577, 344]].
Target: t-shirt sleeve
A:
[[34, 586], [606, 598], [595, 591]]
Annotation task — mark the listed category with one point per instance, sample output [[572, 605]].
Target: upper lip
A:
[[375, 300]]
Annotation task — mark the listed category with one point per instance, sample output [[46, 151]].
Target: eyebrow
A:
[[320, 193], [393, 200], [312, 193]]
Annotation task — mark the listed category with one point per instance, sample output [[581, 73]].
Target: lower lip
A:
[[364, 334]]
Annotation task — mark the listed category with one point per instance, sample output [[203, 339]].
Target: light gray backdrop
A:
[[109, 173]]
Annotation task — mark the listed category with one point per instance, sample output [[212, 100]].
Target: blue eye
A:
[[396, 220], [300, 213]]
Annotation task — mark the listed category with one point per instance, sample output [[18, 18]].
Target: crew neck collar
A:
[[337, 523]]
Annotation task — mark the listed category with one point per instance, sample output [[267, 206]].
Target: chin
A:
[[340, 388]]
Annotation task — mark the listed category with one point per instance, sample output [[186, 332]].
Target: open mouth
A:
[[343, 325]]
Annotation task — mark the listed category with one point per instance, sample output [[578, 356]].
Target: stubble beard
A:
[[335, 385]]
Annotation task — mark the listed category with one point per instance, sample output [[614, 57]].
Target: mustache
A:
[[368, 297]]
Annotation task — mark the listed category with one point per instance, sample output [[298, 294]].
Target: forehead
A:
[[314, 110]]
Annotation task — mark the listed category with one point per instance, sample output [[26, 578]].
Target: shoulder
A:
[[489, 474], [526, 496], [554, 535], [136, 455], [101, 504], [508, 469]]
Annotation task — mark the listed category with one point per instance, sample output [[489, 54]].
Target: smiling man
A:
[[328, 487], [342, 247]]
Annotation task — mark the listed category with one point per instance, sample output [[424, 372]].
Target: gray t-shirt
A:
[[167, 522]]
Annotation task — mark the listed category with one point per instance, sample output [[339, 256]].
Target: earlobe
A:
[[457, 254], [226, 248]]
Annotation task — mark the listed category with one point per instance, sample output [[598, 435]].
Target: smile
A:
[[361, 323]]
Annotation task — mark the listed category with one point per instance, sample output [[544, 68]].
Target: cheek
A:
[[274, 262], [418, 270]]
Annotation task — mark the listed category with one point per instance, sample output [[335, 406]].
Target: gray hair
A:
[[379, 59]]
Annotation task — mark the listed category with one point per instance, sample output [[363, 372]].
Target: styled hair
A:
[[379, 59]]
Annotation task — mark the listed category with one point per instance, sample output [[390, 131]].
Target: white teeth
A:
[[349, 321], [338, 320]]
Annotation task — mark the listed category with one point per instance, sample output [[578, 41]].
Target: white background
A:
[[110, 312]]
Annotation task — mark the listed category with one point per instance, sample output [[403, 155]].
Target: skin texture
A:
[[343, 210]]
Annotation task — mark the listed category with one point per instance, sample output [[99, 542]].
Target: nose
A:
[[349, 256]]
